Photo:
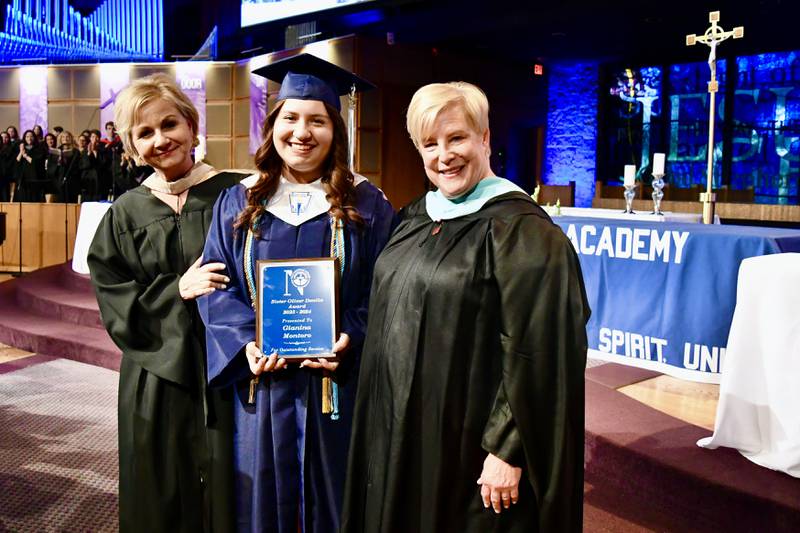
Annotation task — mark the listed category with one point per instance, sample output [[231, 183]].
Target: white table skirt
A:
[[90, 217], [594, 212], [759, 405]]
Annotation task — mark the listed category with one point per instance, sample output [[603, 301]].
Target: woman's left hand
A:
[[200, 280], [499, 483], [340, 346]]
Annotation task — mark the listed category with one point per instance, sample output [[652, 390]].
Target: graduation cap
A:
[[307, 77]]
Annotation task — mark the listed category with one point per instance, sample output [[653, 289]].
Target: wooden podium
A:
[[46, 238]]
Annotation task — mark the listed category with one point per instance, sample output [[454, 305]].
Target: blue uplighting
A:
[[571, 146], [363, 18], [53, 31]]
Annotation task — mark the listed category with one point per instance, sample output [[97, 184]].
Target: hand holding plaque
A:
[[259, 362], [297, 308]]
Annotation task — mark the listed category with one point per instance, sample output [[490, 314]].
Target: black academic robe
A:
[[66, 175], [7, 154], [175, 434], [476, 343], [30, 176], [89, 183]]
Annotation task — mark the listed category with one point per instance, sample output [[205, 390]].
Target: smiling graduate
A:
[[304, 202]]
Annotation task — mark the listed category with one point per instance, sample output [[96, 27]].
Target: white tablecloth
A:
[[593, 212], [91, 214], [759, 405]]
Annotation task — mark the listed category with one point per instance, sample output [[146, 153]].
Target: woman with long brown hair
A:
[[304, 202]]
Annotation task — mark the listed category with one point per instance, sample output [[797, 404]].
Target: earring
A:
[[196, 142]]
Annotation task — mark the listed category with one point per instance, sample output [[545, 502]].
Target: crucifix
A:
[[712, 37]]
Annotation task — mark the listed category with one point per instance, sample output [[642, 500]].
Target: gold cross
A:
[[712, 37]]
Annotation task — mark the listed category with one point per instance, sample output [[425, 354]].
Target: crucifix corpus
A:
[[712, 37]]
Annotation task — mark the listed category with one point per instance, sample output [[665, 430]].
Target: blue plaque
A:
[[297, 307]]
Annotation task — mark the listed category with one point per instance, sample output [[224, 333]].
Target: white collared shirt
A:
[[296, 203]]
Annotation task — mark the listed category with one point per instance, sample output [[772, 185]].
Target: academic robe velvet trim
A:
[[175, 434], [476, 343]]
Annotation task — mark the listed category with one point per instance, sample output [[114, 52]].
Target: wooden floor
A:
[[695, 403], [7, 353]]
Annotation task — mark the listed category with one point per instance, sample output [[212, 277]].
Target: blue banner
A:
[[662, 294], [297, 307]]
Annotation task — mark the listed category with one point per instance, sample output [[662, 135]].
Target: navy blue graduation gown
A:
[[290, 459]]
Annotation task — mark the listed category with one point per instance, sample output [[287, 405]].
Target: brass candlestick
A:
[[712, 37]]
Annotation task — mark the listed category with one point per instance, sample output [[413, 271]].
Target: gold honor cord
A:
[[330, 390], [251, 289]]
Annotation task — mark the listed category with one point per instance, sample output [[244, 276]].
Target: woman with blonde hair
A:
[[174, 433], [304, 202], [469, 415], [66, 171]]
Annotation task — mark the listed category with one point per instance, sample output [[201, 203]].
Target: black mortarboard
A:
[[308, 77]]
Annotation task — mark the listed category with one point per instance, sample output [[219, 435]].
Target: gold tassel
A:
[[252, 397], [327, 407]]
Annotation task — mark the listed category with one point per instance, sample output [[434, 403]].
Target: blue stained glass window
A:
[[633, 129], [766, 127], [687, 156]]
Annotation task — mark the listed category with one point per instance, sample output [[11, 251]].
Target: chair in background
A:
[[550, 194], [736, 196], [615, 191], [679, 194]]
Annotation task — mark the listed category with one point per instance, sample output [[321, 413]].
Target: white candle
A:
[[630, 175], [658, 164]]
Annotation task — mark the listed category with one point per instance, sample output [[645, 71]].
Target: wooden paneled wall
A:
[[43, 235], [729, 211], [73, 94]]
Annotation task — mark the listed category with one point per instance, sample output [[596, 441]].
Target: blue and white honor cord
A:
[[337, 251]]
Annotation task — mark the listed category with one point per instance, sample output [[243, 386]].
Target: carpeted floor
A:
[[58, 446], [58, 453]]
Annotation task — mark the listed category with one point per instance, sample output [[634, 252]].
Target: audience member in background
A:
[[63, 168], [111, 134], [50, 141], [13, 135], [125, 172], [29, 173], [102, 164], [175, 436], [52, 154], [115, 164], [13, 140], [57, 131], [39, 132], [7, 155], [87, 166], [67, 176]]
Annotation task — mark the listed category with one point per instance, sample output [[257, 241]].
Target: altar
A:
[[662, 294]]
